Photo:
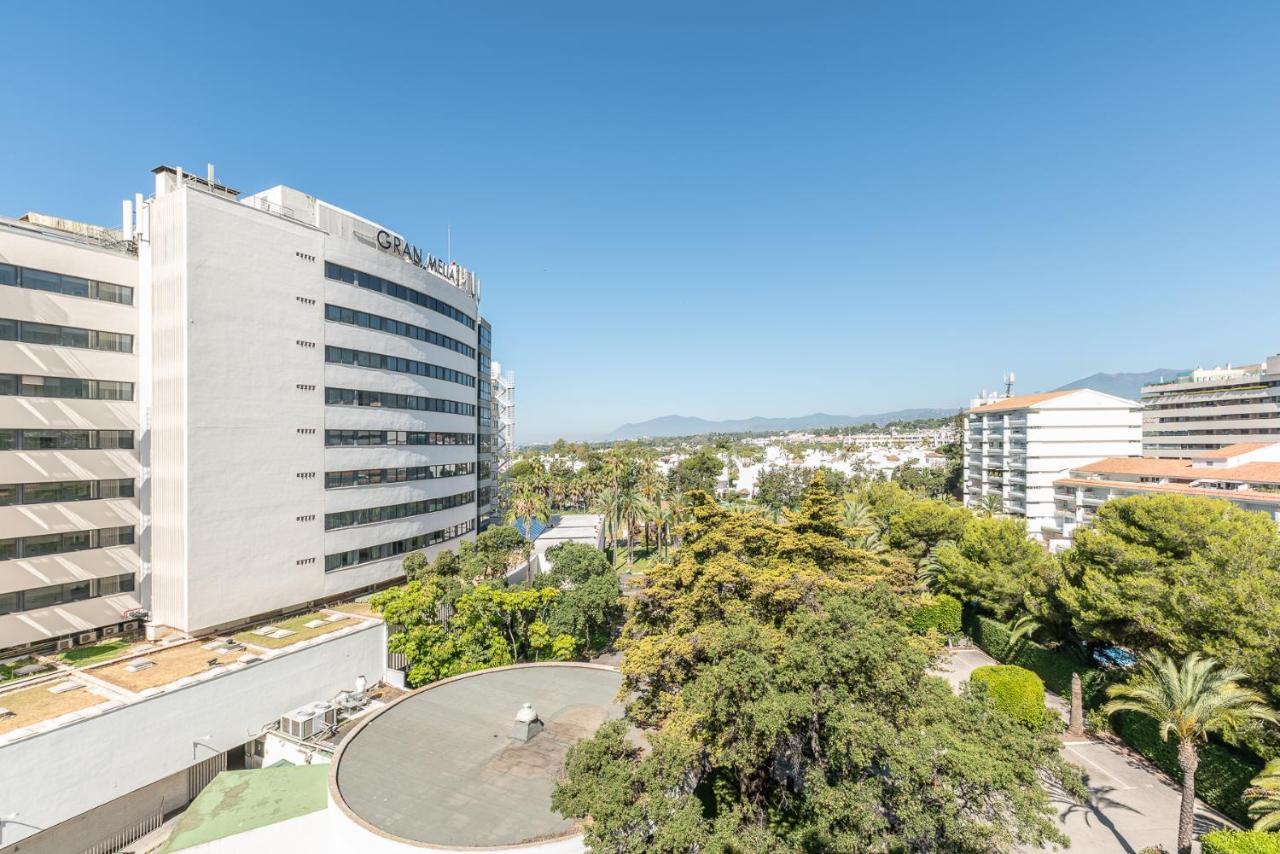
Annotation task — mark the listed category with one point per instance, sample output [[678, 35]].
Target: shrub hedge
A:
[[1016, 691], [1224, 772], [942, 612], [1240, 842]]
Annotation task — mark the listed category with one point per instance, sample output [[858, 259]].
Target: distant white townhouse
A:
[[1016, 447]]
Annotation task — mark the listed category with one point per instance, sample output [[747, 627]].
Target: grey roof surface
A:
[[441, 767]]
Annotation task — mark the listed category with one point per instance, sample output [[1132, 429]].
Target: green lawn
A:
[[85, 655], [298, 625]]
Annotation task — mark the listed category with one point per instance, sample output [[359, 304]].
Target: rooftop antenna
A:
[[1008, 384]]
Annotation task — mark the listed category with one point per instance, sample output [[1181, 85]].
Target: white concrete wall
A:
[[53, 776]]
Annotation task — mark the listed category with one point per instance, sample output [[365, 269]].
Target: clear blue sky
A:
[[723, 210]]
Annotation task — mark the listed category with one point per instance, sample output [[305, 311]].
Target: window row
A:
[[364, 359], [370, 515], [342, 560], [64, 440], [362, 438], [29, 332], [69, 387], [391, 400], [71, 541], [58, 594], [67, 490], [41, 280], [373, 477], [392, 289], [396, 327]]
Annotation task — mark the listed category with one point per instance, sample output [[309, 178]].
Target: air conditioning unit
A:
[[110, 630], [87, 637], [309, 720], [131, 626], [65, 643]]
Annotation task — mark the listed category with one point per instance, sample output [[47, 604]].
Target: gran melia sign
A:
[[451, 270]]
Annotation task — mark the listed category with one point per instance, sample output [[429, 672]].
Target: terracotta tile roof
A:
[[1182, 469], [1150, 466], [1020, 401], [1233, 450], [1178, 489]]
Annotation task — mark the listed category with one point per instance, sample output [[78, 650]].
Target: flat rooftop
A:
[[440, 767]]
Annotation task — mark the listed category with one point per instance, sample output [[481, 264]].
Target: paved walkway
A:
[[1134, 805]]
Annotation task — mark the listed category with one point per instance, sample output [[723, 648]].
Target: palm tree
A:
[[1020, 631], [930, 569], [1264, 793], [1189, 701], [631, 506], [527, 504], [606, 504], [992, 505]]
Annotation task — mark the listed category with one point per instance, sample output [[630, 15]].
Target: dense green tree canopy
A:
[[996, 565], [788, 709], [699, 471], [1180, 574], [920, 525]]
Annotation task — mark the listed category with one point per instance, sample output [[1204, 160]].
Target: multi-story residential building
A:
[[504, 398], [1016, 447], [69, 472], [312, 396], [1246, 474], [1212, 408]]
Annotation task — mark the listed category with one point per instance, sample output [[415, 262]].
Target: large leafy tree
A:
[[589, 606], [787, 707], [1180, 574], [778, 488], [920, 525], [997, 566], [1189, 701], [698, 471]]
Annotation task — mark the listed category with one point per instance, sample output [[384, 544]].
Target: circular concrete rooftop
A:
[[440, 768]]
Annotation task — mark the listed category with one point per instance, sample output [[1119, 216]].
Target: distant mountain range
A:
[[1123, 385], [1127, 385], [684, 425]]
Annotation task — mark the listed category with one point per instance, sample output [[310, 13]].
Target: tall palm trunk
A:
[[1188, 760]]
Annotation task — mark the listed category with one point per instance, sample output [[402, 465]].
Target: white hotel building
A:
[[313, 402], [69, 472], [233, 407], [1016, 447]]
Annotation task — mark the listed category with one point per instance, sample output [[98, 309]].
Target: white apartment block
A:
[[1212, 408], [1248, 475], [69, 470], [1016, 447], [312, 398]]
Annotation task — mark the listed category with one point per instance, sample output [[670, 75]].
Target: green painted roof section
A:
[[237, 801]]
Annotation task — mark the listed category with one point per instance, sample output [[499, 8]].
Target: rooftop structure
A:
[[440, 767], [1211, 408]]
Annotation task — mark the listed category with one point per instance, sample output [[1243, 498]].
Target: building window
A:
[[376, 477], [69, 490], [70, 541], [391, 400], [378, 438], [355, 557], [65, 387], [391, 512], [64, 440], [58, 594], [338, 314], [64, 336], [375, 283], [73, 286], [363, 359]]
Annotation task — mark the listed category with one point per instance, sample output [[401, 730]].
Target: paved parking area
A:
[[1133, 804]]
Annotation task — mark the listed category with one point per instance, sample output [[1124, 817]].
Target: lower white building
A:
[[1247, 475], [1016, 447]]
